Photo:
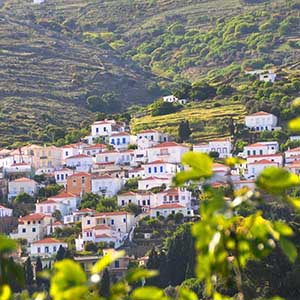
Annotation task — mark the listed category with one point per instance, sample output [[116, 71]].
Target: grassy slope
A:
[[206, 120]]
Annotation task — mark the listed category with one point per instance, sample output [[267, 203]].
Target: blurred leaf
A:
[[5, 292], [139, 274], [68, 281], [186, 294], [276, 180], [148, 293], [294, 202], [232, 161], [296, 102], [283, 228], [106, 261], [200, 164], [294, 124], [288, 248], [218, 296]]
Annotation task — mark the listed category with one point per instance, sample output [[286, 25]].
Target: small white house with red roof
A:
[[18, 169], [292, 155], [121, 140], [170, 209], [151, 182], [142, 199], [61, 175], [32, 227], [222, 146], [77, 215], [168, 151], [22, 185], [94, 149], [294, 167], [159, 168], [151, 137], [46, 247], [68, 151], [261, 121], [174, 195], [106, 185], [261, 148], [5, 212], [109, 156], [81, 162], [278, 158], [136, 172], [255, 168]]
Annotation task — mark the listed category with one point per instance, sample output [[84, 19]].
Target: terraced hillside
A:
[[207, 120]]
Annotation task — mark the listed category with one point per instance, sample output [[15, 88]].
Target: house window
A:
[[157, 213], [57, 176], [148, 202], [124, 140], [112, 222], [129, 201], [260, 152], [117, 264], [46, 249], [97, 129], [124, 220], [23, 230], [173, 212], [104, 129], [33, 229], [62, 177], [39, 250], [88, 222], [123, 202], [67, 153], [149, 170], [155, 169], [113, 141], [152, 137], [161, 169], [54, 248]]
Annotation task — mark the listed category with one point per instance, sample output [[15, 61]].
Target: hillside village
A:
[[135, 171]]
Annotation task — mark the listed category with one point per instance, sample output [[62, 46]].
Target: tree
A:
[[28, 272], [38, 269], [24, 198], [60, 255], [107, 204], [184, 130], [153, 264], [57, 215], [105, 284], [90, 246], [133, 208], [163, 108]]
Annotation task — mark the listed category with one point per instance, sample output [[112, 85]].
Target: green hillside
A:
[[65, 58]]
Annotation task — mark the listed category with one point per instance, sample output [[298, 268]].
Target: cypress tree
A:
[[28, 272], [184, 131], [153, 264], [38, 269], [60, 255], [105, 284]]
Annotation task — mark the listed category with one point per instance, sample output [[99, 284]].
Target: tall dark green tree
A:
[[28, 272], [184, 130], [38, 269], [153, 264], [105, 284], [60, 255]]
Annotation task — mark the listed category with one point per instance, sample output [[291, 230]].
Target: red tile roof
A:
[[263, 162], [153, 178], [168, 206], [293, 150], [120, 134], [33, 217], [20, 164], [78, 156], [128, 194], [23, 179], [148, 131], [114, 213], [156, 162], [256, 145], [85, 210], [169, 144], [48, 241], [260, 113], [79, 174], [103, 235], [63, 194]]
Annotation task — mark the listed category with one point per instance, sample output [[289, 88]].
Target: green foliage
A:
[[23, 198], [163, 108]]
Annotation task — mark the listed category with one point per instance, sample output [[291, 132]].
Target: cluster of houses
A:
[[102, 164]]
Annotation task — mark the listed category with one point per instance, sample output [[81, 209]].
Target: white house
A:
[[136, 172], [142, 199], [170, 209], [94, 149], [106, 185], [5, 212], [152, 182], [106, 227], [255, 168], [277, 158], [110, 156], [222, 146], [261, 148], [151, 137], [18, 169], [81, 162], [261, 121], [294, 167], [68, 151], [61, 176], [292, 155], [32, 227], [170, 98], [121, 140], [46, 247], [174, 195], [126, 157], [21, 185], [169, 152], [268, 77], [159, 168]]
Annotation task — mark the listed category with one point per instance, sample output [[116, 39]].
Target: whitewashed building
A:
[[46, 247], [261, 121], [5, 212], [106, 185]]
